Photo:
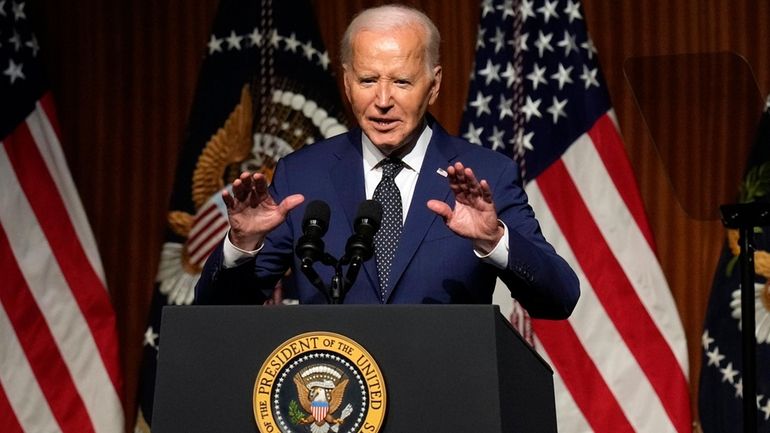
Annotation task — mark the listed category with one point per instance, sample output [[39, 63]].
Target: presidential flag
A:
[[265, 88], [537, 94], [720, 399], [59, 365]]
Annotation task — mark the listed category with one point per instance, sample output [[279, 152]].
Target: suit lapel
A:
[[430, 185], [347, 177]]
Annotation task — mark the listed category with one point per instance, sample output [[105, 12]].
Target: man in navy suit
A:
[[465, 216]]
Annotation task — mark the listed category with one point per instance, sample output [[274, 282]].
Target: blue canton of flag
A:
[[721, 380], [536, 82]]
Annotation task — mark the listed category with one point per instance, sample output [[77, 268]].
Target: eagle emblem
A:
[[320, 389]]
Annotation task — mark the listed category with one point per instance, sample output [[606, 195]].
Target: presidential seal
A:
[[319, 382]]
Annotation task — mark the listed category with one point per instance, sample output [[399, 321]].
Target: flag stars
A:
[[14, 72], [766, 409], [523, 42], [568, 43], [308, 50], [486, 7], [505, 107], [588, 45], [480, 38], [292, 43], [15, 40], [481, 104], [526, 10], [275, 38], [497, 138], [706, 339], [215, 44], [715, 358], [573, 11], [474, 134], [507, 8], [531, 108], [510, 74], [32, 44], [18, 11], [728, 373], [255, 38], [557, 109], [234, 41], [537, 76], [523, 142], [543, 43], [323, 60], [589, 77], [150, 337], [739, 388], [2, 8], [490, 72], [563, 75], [498, 39], [549, 10]]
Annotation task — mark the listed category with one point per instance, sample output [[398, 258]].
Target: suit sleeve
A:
[[251, 282], [536, 275]]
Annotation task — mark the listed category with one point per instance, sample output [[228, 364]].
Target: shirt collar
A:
[[412, 160]]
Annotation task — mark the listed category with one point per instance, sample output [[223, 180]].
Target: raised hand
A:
[[252, 212], [474, 215]]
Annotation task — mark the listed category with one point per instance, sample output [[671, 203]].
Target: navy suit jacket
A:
[[432, 264]]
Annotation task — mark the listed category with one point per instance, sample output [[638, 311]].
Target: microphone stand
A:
[[335, 293], [745, 217]]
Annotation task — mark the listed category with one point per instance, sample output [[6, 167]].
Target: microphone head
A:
[[369, 212], [317, 215]]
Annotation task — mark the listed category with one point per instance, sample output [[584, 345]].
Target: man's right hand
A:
[[252, 212]]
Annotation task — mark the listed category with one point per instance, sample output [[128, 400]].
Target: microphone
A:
[[360, 244], [315, 222]]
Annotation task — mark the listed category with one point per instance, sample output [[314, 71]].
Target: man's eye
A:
[[402, 83]]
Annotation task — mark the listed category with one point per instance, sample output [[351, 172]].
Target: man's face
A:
[[389, 86]]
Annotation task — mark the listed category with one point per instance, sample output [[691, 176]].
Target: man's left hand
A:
[[474, 216]]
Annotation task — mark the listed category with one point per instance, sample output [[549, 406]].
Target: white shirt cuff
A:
[[498, 257], [233, 256]]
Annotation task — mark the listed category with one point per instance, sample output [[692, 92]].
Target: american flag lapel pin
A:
[[441, 171]]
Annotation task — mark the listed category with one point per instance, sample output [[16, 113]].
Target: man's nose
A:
[[383, 96]]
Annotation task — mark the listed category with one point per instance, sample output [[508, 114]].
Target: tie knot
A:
[[391, 167]]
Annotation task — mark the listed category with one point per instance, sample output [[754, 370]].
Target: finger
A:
[[290, 203], [228, 199], [486, 191], [441, 209]]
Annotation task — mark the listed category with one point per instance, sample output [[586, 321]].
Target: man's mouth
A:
[[383, 124]]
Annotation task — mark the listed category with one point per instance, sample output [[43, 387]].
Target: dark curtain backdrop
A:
[[123, 75]]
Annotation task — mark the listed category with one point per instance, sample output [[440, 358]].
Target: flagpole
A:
[[745, 217]]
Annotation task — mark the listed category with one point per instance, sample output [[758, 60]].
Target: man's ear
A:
[[436, 84], [346, 80]]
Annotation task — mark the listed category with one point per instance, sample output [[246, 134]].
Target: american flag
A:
[[537, 95], [59, 367]]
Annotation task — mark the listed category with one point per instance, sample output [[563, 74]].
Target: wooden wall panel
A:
[[123, 75]]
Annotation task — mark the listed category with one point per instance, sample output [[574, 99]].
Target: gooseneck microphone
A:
[[360, 245], [358, 249], [315, 223]]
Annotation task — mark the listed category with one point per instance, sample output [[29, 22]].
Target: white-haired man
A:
[[458, 215]]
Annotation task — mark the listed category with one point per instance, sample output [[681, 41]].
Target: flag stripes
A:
[[8, 422], [598, 370], [52, 216], [59, 332], [27, 405], [613, 256], [39, 345]]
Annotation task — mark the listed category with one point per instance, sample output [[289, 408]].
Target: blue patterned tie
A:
[[386, 239]]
